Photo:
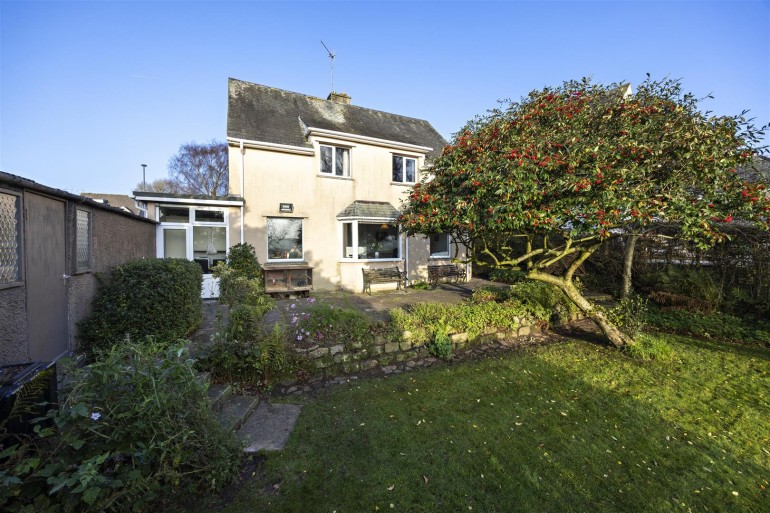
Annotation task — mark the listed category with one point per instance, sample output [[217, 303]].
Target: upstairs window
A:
[[335, 161], [404, 169]]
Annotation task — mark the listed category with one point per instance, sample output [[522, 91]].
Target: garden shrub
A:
[[244, 353], [425, 320], [134, 427], [544, 300], [155, 297], [507, 275], [629, 315], [257, 360], [685, 287], [718, 325], [324, 324], [242, 258], [441, 345]]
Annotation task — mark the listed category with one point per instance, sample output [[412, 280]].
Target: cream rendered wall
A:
[[274, 177]]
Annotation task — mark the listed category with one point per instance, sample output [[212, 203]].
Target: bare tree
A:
[[159, 185], [200, 168]]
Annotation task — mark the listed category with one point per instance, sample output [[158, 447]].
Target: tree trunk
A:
[[628, 262], [616, 337]]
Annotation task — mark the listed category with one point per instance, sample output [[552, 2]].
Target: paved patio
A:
[[377, 305]]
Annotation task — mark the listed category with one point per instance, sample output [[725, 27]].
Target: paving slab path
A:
[[269, 427]]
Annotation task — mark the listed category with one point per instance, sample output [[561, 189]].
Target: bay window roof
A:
[[360, 209]]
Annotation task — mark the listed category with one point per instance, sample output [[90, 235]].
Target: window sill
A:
[[286, 261], [324, 175], [11, 285], [439, 257], [403, 184], [368, 260]]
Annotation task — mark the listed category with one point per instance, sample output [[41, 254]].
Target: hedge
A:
[[158, 298]]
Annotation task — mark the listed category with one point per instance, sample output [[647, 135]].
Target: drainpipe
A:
[[243, 193], [406, 259]]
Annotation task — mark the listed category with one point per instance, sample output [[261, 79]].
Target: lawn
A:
[[567, 427]]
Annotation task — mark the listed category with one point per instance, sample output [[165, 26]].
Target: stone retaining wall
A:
[[342, 361]]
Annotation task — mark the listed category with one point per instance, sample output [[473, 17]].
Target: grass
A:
[[566, 427]]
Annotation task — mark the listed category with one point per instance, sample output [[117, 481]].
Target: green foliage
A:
[[678, 282], [630, 315], [134, 426], [159, 298], [650, 347], [242, 258], [420, 285], [244, 353], [324, 324], [441, 345], [424, 320], [544, 300], [718, 325], [570, 165], [507, 275], [541, 184], [256, 360]]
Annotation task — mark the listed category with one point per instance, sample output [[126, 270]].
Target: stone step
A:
[[218, 394], [269, 427], [236, 410]]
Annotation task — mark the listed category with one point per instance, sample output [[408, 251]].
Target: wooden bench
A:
[[382, 275], [451, 271]]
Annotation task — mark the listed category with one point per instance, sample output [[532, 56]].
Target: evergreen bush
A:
[[159, 298]]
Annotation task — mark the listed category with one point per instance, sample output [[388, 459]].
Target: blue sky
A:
[[89, 91]]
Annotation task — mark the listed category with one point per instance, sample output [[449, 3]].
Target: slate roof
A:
[[370, 209], [266, 114]]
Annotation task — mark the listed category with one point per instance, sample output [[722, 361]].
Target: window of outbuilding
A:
[[10, 238], [82, 240]]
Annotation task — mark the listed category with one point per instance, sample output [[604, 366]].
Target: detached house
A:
[[322, 182]]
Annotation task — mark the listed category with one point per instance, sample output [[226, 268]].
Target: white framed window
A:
[[82, 240], [439, 245], [284, 239], [194, 233], [10, 239], [370, 240], [335, 161], [404, 169]]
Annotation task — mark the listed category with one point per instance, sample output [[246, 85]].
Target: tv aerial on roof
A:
[[331, 63]]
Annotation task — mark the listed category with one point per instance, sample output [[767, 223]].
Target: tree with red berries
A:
[[541, 184]]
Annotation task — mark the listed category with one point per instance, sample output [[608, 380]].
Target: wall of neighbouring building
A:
[[116, 237]]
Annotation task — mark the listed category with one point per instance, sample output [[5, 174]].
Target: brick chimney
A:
[[341, 98]]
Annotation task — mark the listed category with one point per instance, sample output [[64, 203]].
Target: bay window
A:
[[370, 240]]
